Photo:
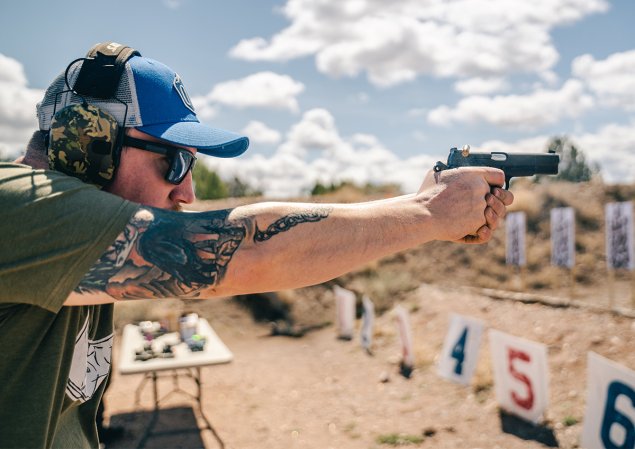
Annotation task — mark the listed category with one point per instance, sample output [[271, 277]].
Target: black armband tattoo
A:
[[289, 221]]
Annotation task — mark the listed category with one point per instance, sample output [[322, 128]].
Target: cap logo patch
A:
[[180, 88]]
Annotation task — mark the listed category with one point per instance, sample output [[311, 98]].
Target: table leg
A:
[[199, 398], [155, 412], [137, 393], [196, 375]]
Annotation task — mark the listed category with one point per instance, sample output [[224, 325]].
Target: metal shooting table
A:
[[184, 363]]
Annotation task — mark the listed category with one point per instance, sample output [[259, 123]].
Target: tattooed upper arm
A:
[[165, 254]]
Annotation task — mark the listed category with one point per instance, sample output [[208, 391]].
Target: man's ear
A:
[[35, 155]]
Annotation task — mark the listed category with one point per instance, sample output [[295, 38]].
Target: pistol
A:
[[514, 165]]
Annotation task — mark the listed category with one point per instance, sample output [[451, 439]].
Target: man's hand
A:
[[466, 204]]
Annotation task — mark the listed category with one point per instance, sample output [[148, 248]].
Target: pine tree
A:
[[573, 164]]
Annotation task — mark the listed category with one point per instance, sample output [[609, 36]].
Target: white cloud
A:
[[535, 144], [316, 132], [481, 86], [613, 147], [263, 90], [11, 71], [17, 108], [611, 79], [205, 111], [314, 151], [258, 132], [397, 41], [523, 112]]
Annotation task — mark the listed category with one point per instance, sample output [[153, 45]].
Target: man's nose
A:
[[184, 192]]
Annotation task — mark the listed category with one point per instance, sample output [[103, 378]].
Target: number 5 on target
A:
[[521, 377], [460, 349], [609, 420]]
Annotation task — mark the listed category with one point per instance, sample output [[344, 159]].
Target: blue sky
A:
[[358, 90]]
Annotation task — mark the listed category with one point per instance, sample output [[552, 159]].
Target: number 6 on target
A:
[[520, 375], [460, 350], [609, 421]]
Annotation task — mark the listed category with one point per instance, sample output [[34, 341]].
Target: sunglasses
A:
[[181, 160]]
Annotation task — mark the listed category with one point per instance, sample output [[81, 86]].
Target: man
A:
[[69, 250]]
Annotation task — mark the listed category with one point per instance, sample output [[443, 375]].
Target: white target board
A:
[[515, 232], [368, 320], [521, 376], [619, 236], [609, 419], [345, 312], [563, 237], [402, 318], [460, 350]]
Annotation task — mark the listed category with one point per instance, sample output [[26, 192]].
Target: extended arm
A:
[[272, 246]]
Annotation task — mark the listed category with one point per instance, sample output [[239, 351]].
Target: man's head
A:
[[141, 175], [147, 101]]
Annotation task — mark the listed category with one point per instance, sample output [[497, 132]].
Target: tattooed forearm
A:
[[288, 221], [175, 255]]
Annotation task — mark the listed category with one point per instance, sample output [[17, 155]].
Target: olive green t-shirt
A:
[[54, 359]]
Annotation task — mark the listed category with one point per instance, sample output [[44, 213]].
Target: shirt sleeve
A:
[[53, 229]]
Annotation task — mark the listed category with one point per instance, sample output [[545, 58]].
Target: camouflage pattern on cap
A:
[[82, 143]]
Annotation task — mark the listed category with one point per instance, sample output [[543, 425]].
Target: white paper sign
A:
[[367, 323], [521, 377], [460, 349], [609, 419], [515, 231], [405, 336], [619, 235], [345, 312], [563, 237]]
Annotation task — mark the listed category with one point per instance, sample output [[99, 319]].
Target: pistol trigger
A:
[[507, 181]]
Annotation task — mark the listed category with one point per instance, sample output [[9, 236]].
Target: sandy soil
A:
[[321, 392]]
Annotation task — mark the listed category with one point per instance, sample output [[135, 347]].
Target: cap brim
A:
[[206, 139]]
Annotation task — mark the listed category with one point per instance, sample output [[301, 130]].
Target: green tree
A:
[[367, 189], [573, 164], [207, 184], [321, 189], [237, 189]]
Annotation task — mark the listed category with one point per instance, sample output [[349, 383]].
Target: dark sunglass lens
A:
[[182, 161]]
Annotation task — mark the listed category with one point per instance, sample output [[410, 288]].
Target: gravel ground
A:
[[321, 392]]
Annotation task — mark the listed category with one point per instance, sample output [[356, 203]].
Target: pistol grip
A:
[[507, 181]]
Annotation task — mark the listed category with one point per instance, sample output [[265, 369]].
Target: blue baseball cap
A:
[[157, 104], [167, 112]]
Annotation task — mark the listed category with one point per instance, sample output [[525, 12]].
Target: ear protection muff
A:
[[83, 143], [84, 140]]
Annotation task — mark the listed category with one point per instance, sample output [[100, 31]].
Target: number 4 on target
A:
[[460, 349]]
